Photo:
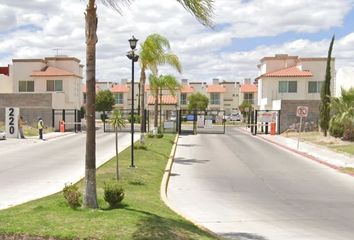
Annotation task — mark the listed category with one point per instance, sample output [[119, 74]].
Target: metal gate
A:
[[126, 115], [208, 121], [71, 118]]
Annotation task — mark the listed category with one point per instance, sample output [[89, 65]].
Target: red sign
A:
[[302, 111]]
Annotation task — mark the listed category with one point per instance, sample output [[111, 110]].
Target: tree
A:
[[342, 122], [326, 94], [154, 51], [157, 84], [117, 122], [198, 101], [104, 102], [201, 9], [245, 108]]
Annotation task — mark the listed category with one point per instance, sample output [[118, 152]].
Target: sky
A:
[[244, 32]]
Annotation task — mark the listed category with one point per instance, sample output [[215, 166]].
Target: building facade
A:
[[39, 87], [286, 82]]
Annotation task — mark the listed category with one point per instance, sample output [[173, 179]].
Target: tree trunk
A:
[[90, 197], [160, 108], [142, 106], [156, 108], [116, 130]]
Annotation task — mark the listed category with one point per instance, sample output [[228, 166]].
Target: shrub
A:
[[140, 146], [150, 135], [136, 118], [72, 195], [113, 193], [336, 129], [160, 135]]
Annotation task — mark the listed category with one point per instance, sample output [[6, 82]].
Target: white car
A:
[[2, 135], [235, 117]]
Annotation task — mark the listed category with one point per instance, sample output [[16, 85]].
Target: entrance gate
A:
[[208, 121]]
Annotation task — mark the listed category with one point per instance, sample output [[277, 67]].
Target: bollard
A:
[[272, 128], [62, 126]]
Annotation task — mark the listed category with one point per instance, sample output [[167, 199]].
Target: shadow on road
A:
[[243, 236], [185, 161]]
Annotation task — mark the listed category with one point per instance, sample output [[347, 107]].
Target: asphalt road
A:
[[31, 168], [244, 188]]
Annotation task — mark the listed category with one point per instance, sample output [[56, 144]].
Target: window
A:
[[215, 98], [54, 85], [183, 98], [315, 86], [119, 98], [287, 86], [248, 97], [26, 86]]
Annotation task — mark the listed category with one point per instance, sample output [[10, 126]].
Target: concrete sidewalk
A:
[[312, 151]]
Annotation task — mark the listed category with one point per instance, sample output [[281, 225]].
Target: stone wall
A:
[[289, 120], [32, 106]]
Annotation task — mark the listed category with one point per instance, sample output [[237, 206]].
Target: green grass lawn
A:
[[142, 214], [332, 143], [345, 148]]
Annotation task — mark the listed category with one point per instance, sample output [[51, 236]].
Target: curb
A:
[[163, 191], [303, 154]]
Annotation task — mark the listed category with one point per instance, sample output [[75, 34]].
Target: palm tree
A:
[[154, 52], [343, 118], [117, 122], [201, 9], [157, 84]]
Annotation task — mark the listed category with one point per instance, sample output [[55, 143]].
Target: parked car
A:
[[235, 117], [2, 135]]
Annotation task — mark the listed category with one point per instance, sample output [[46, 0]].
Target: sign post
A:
[[301, 112], [11, 120]]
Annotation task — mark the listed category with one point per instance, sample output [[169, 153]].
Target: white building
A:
[[344, 79], [286, 82], [39, 87]]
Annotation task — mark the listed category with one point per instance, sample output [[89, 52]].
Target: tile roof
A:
[[52, 72], [120, 89], [84, 88], [187, 89], [288, 72], [216, 89], [166, 100], [248, 88]]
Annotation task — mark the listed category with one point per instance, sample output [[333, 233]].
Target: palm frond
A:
[[172, 60], [116, 4], [201, 9]]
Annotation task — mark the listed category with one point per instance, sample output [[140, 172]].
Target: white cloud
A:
[[39, 26]]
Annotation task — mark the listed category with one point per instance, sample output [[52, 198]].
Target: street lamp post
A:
[[134, 57]]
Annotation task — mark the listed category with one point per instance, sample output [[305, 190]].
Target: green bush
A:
[[113, 193], [136, 118], [140, 146], [150, 135], [159, 135], [72, 195], [336, 129]]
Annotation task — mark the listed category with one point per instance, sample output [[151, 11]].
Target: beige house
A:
[[39, 87], [286, 82]]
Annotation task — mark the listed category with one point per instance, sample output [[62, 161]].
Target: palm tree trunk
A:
[[116, 130], [156, 108], [90, 197], [160, 108], [142, 106]]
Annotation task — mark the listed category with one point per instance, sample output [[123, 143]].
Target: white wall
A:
[[5, 84]]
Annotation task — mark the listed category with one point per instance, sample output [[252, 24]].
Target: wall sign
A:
[[11, 119]]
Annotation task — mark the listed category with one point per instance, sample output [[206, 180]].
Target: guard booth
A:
[[265, 122], [197, 121]]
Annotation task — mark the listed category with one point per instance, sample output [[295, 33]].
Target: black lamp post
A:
[[134, 57]]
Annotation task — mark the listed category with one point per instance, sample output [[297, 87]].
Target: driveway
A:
[[31, 168], [244, 188]]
